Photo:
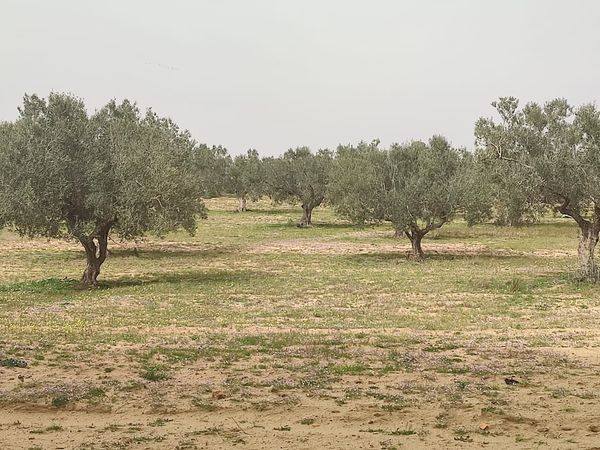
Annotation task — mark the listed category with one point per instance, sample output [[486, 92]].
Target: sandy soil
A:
[[203, 406]]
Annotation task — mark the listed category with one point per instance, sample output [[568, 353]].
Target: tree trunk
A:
[[90, 275], [417, 251], [397, 233], [242, 205], [306, 219], [95, 247], [587, 245], [415, 240], [588, 238]]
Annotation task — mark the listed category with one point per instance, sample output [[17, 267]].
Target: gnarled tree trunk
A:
[[588, 238], [307, 209], [416, 233], [242, 205], [95, 246], [91, 272], [415, 237], [587, 245], [306, 219]]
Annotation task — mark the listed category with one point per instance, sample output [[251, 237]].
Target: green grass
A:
[[154, 372], [253, 312], [269, 270], [330, 276]]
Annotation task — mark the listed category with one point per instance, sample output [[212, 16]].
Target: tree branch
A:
[[567, 210], [506, 158]]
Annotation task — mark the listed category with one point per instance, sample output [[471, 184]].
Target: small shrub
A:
[[60, 401], [155, 372]]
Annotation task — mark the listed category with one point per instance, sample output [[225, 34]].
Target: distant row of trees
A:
[[64, 173]]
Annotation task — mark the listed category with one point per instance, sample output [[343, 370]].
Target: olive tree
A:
[[299, 176], [246, 178], [415, 186], [64, 173], [212, 167], [500, 193], [558, 147]]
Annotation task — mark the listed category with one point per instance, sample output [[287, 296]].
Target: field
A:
[[255, 333]]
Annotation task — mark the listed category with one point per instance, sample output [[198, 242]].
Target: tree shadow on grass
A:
[[331, 226], [470, 255], [433, 255], [315, 225], [524, 284], [156, 252], [165, 253], [188, 277], [201, 278], [270, 212], [46, 286]]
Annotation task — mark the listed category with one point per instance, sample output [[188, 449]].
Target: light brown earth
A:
[[255, 334]]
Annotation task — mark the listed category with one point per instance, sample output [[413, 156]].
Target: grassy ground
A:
[[257, 333]]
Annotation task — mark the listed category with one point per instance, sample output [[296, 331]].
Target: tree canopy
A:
[[501, 193], [64, 173], [415, 186], [299, 176], [246, 177], [212, 166], [69, 174], [556, 148]]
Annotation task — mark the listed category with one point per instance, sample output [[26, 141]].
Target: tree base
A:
[[588, 269], [588, 277], [306, 220], [90, 276], [416, 258], [242, 205]]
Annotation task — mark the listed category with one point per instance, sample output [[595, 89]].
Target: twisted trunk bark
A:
[[415, 240], [306, 219], [242, 205], [96, 247], [588, 238], [91, 272], [587, 245]]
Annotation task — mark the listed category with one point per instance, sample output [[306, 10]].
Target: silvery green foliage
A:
[[499, 192], [357, 186], [555, 146], [247, 176], [212, 167], [299, 176], [415, 186], [64, 173], [556, 149]]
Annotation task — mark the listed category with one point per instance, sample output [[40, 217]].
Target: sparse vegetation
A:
[[304, 225], [187, 332]]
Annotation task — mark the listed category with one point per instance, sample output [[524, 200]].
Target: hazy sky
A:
[[273, 74]]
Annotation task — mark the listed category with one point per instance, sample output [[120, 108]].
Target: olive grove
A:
[[211, 165], [66, 173], [500, 193]]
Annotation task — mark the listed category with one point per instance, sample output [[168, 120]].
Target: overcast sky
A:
[[274, 74]]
